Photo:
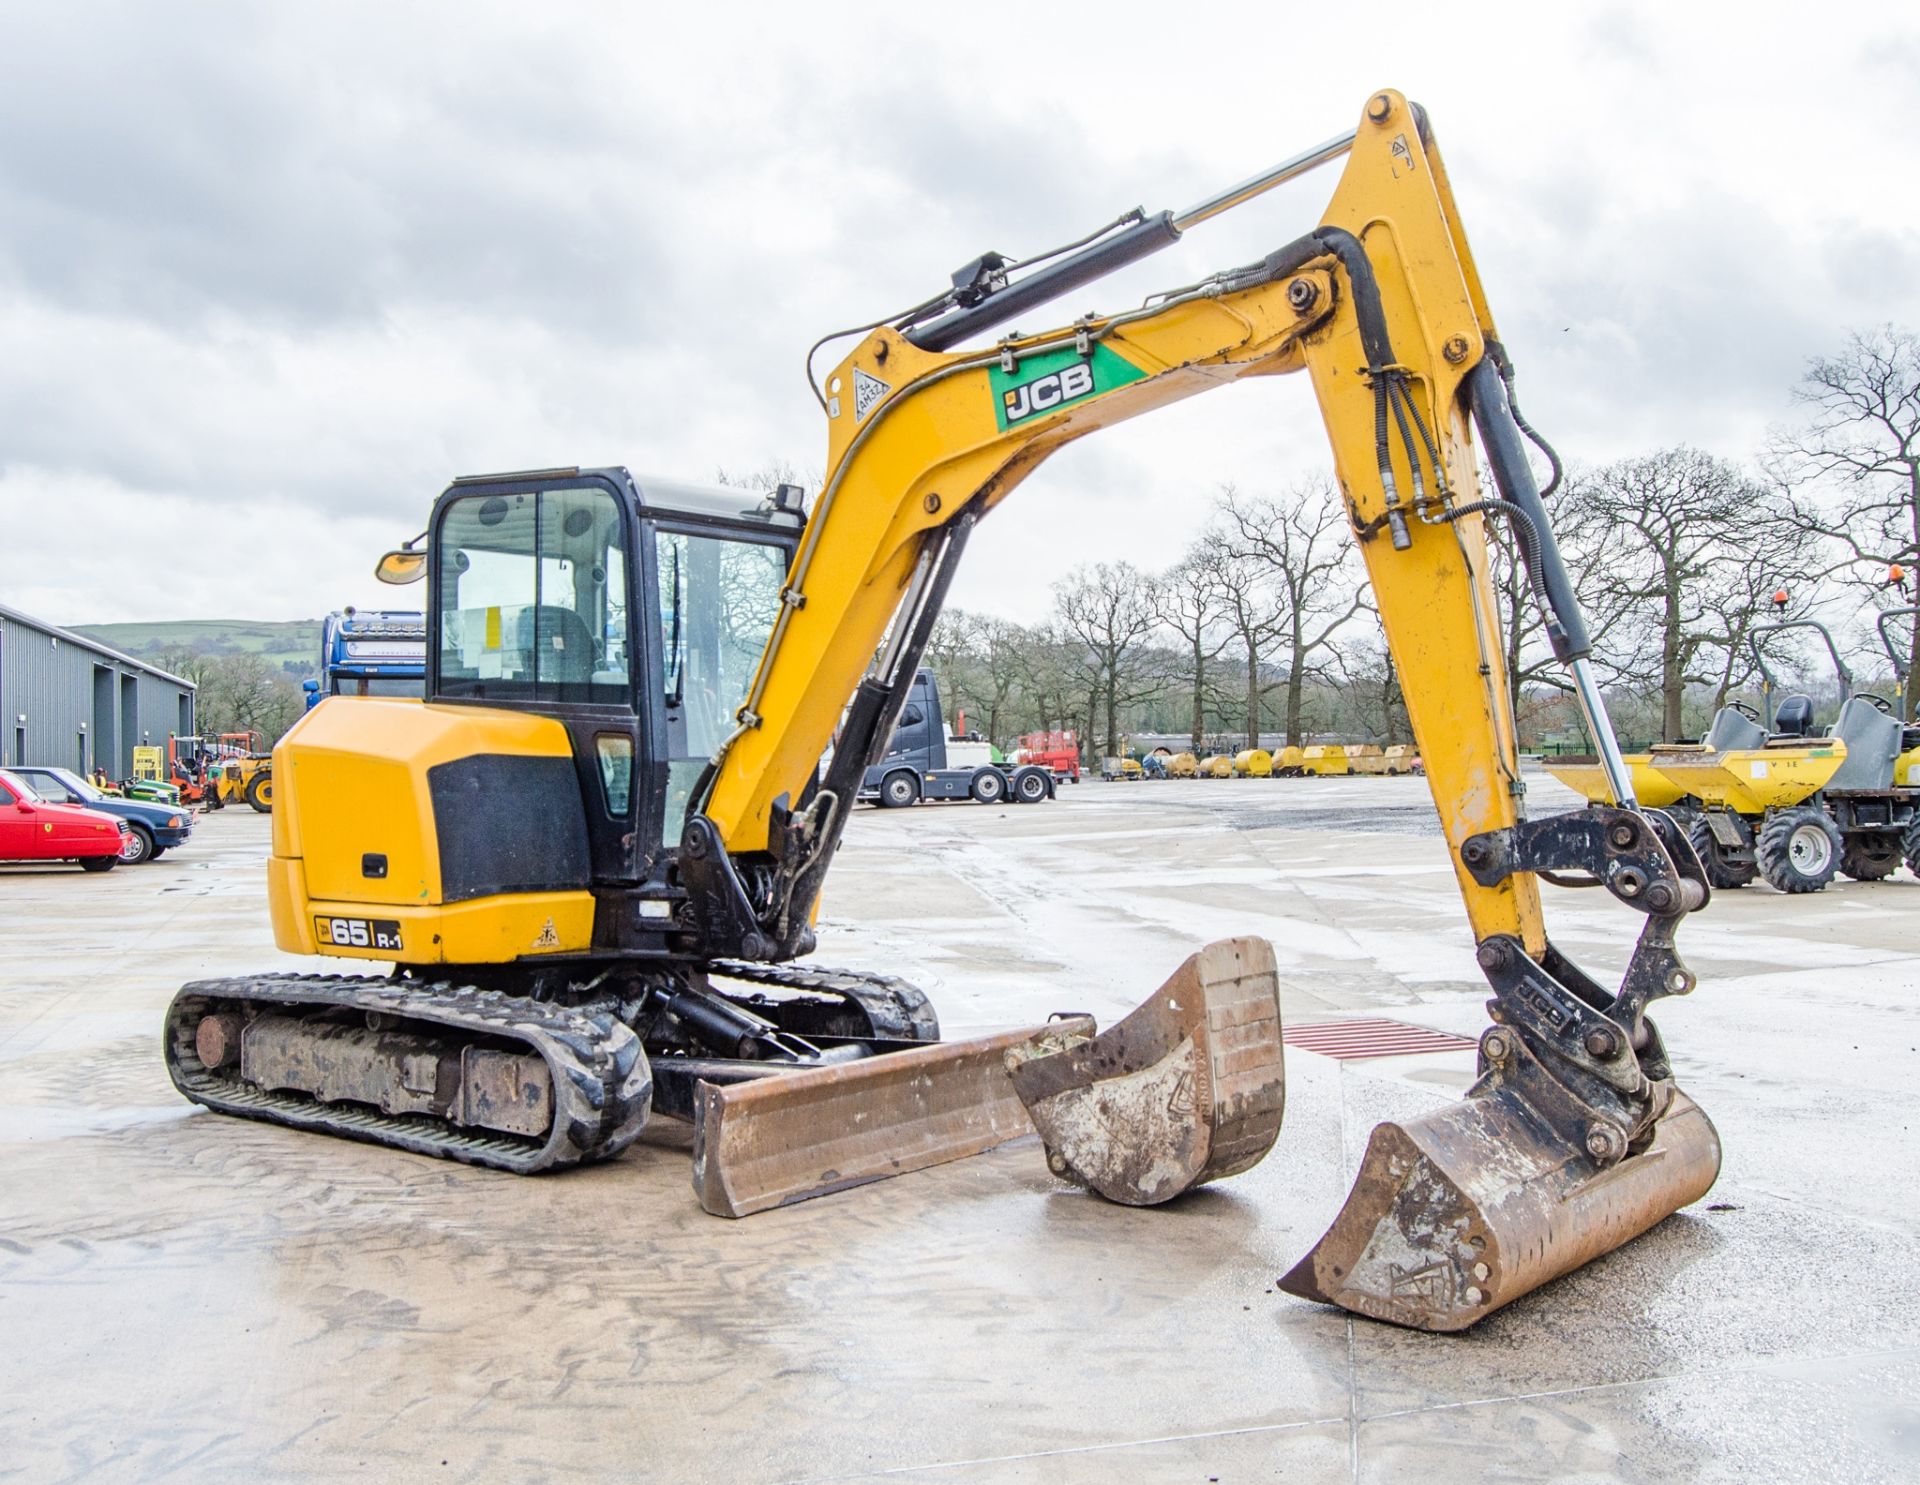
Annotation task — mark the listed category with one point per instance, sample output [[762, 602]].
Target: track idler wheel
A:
[[1188, 1088], [1460, 1212]]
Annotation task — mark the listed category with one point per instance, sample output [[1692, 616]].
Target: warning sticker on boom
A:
[[867, 390]]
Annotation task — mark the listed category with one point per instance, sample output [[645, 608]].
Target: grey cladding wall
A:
[[66, 701]]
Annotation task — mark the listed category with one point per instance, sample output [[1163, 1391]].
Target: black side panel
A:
[[508, 824]]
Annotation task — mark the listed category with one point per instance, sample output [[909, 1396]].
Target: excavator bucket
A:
[[773, 1141], [1188, 1088], [1457, 1213]]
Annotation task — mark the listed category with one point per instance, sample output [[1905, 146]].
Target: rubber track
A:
[[904, 1004], [602, 1083]]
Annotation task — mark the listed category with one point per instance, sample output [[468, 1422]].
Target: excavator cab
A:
[[630, 612]]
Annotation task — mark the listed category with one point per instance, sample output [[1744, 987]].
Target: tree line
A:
[[1263, 630]]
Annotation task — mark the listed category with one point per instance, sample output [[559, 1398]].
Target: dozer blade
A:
[[773, 1141], [1461, 1211], [1188, 1088]]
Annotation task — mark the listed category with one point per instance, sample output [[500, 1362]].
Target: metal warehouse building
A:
[[68, 701]]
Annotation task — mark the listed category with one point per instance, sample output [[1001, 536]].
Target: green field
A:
[[292, 645]]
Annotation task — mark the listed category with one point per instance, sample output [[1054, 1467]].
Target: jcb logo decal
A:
[[1056, 379], [1048, 392]]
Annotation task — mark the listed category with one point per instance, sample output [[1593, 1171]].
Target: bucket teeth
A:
[[1457, 1213], [1188, 1088]]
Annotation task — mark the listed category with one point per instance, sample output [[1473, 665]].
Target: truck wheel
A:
[[1030, 786], [1722, 874], [1869, 858], [138, 846], [989, 786], [260, 793], [1910, 846], [897, 790], [99, 863], [1798, 849]]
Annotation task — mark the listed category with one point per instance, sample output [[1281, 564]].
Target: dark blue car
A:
[[151, 828]]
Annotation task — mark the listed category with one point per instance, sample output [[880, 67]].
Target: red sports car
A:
[[33, 830]]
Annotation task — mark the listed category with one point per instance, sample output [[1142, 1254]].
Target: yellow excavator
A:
[[593, 854]]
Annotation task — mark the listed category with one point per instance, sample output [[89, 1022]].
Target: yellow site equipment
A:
[[1253, 763], [1400, 759], [1290, 762], [1216, 766], [1366, 758], [592, 854], [1183, 766], [1324, 760]]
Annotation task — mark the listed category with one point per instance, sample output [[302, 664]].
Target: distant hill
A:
[[292, 646]]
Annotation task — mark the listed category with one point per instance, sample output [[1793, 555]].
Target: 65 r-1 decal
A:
[[357, 933], [1046, 383]]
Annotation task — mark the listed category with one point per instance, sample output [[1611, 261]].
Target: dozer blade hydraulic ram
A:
[[1188, 1088]]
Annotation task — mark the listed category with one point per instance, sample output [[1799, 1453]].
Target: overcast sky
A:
[[271, 274]]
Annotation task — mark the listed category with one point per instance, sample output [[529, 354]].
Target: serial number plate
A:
[[358, 933]]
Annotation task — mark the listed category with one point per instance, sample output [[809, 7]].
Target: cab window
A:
[[718, 599], [533, 597]]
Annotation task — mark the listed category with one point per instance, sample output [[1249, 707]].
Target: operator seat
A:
[[562, 640], [1731, 731], [1795, 717], [1873, 743]]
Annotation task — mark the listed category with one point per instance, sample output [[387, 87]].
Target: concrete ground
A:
[[187, 1296]]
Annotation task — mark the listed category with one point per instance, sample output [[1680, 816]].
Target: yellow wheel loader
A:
[[591, 860]]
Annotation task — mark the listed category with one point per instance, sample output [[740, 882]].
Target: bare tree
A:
[[1190, 599], [1694, 539], [1862, 437], [1300, 537], [1107, 610]]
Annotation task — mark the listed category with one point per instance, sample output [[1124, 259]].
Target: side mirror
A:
[[312, 688], [401, 566], [27, 808]]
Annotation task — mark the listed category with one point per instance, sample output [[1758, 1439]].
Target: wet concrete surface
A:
[[187, 1296]]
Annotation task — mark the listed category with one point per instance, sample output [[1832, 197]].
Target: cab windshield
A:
[[533, 597]]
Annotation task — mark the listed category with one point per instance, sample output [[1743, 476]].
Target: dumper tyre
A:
[[1870, 856], [1910, 846], [1722, 874], [989, 786], [898, 790], [260, 793], [1798, 849]]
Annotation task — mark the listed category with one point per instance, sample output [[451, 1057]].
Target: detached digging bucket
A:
[[1188, 1088], [1461, 1211]]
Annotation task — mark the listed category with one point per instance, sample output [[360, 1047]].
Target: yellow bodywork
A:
[[1751, 781], [352, 780], [1216, 766], [1253, 763], [1324, 760], [1906, 770], [933, 445], [1290, 760], [1585, 777], [1183, 766]]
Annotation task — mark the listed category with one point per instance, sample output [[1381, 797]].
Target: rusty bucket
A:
[[1463, 1210], [1188, 1088]]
